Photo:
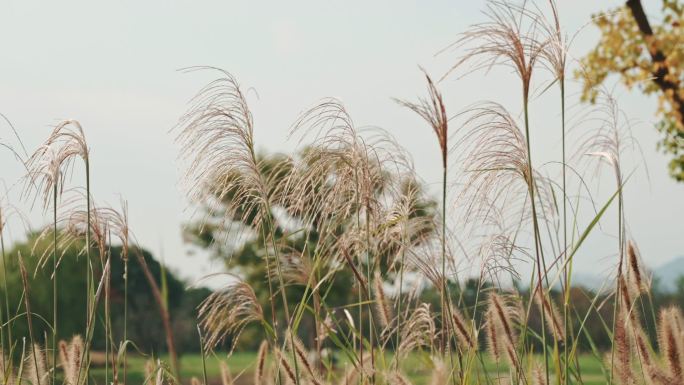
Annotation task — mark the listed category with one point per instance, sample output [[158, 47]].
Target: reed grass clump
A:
[[349, 254]]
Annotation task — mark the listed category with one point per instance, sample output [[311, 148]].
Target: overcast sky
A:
[[113, 66]]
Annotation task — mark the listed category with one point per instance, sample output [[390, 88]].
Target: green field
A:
[[241, 366]]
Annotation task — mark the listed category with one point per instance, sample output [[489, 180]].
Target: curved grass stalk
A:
[[434, 112], [29, 318], [216, 135], [46, 169], [4, 284], [504, 37], [84, 367]]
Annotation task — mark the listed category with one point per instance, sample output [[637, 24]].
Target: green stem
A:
[[29, 318], [401, 286], [109, 347], [358, 258], [204, 362], [274, 319], [84, 368], [281, 283], [616, 299], [54, 283], [537, 241], [5, 290], [125, 333], [371, 325], [568, 269], [89, 272], [443, 241], [446, 298]]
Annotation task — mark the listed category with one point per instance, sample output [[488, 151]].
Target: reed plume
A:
[[70, 357], [226, 376], [554, 322], [538, 376], [647, 361], [494, 159], [47, 167], [285, 368], [433, 111], [671, 340], [510, 37], [301, 355], [384, 309], [6, 370], [344, 183], [260, 363], [417, 332], [621, 366], [51, 162], [398, 378], [502, 336], [149, 369], [440, 372], [216, 135], [606, 142], [463, 331], [344, 172], [36, 366], [217, 139], [156, 372], [636, 277], [555, 56], [226, 312]]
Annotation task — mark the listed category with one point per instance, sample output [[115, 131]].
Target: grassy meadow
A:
[[340, 265], [242, 365]]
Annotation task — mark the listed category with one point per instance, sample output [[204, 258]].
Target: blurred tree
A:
[[649, 56], [235, 242], [144, 324]]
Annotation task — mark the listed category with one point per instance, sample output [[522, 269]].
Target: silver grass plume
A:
[[510, 37], [36, 366], [226, 376], [70, 356], [418, 331], [671, 340], [285, 368], [216, 135], [440, 373], [464, 330], [398, 378], [227, 311], [49, 164], [553, 319], [636, 277], [384, 309], [502, 337], [300, 353], [260, 363]]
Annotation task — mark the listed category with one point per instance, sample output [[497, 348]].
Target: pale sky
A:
[[113, 66]]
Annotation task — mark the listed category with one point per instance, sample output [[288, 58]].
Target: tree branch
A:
[[658, 58]]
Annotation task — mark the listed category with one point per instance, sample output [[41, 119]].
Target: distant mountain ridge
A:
[[665, 276], [668, 274]]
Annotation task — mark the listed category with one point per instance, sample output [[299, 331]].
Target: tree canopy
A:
[[234, 238], [144, 325], [646, 55]]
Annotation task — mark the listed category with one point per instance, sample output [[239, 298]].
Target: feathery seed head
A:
[[226, 312]]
